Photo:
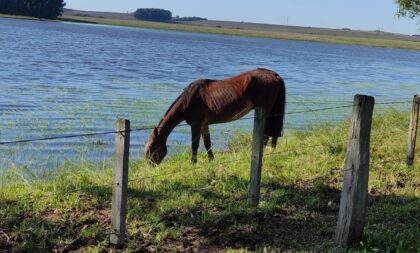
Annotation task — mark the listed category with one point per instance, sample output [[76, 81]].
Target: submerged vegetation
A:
[[181, 207]]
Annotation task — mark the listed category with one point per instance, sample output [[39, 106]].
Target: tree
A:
[[152, 14], [48, 9], [410, 8]]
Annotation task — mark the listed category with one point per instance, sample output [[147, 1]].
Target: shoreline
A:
[[254, 33], [252, 30]]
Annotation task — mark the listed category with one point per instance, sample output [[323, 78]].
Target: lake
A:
[[66, 78]]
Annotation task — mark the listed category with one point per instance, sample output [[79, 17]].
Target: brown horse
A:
[[206, 102]]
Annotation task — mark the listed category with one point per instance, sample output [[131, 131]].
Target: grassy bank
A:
[[314, 36], [18, 17], [182, 207], [353, 40]]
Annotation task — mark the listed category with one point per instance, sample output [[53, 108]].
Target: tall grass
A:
[[178, 206]]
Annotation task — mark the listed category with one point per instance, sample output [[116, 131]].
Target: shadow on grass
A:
[[295, 217], [298, 217], [283, 222]]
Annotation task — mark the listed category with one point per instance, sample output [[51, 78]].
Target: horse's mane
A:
[[194, 90], [170, 108], [185, 98]]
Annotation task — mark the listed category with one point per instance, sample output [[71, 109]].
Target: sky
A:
[[353, 14]]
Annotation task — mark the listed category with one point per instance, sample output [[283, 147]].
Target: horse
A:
[[206, 101]]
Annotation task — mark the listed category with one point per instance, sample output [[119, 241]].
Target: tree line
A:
[[153, 14], [161, 15], [47, 9]]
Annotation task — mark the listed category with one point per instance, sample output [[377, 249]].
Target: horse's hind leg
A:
[[195, 141], [266, 137], [274, 142], [205, 132]]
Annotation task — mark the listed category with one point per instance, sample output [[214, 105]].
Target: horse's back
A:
[[258, 85], [264, 86], [231, 98], [266, 77]]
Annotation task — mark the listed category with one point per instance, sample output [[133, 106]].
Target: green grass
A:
[[17, 17], [374, 42], [351, 40], [203, 207]]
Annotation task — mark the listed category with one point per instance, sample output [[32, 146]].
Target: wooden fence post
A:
[[356, 174], [119, 189], [412, 131], [257, 155]]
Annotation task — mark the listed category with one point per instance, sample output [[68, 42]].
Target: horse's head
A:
[[155, 148]]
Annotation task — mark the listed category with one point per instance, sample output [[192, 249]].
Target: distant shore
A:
[[323, 35]]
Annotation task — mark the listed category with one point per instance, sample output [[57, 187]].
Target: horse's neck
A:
[[169, 122]]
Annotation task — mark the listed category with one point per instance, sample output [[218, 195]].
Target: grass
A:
[[17, 17], [373, 42], [181, 207], [323, 38]]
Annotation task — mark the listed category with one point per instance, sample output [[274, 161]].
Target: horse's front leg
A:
[[205, 132], [195, 141]]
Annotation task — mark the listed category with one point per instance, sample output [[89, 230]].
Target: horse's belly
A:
[[234, 112], [248, 106]]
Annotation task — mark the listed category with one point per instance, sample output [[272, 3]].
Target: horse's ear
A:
[[155, 131]]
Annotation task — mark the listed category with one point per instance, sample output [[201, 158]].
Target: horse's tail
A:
[[275, 117]]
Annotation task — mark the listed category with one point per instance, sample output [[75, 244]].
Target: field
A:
[[323, 35], [180, 207], [338, 36]]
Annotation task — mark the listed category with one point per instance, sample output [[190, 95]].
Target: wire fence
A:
[[200, 207], [214, 164], [148, 128]]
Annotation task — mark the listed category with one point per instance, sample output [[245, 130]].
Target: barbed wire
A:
[[137, 129], [213, 164], [194, 209], [189, 170], [179, 125], [198, 168], [60, 137]]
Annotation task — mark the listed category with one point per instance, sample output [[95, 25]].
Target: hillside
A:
[[256, 26]]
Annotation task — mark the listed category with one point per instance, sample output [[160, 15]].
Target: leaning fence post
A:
[[257, 155], [356, 173], [412, 131], [119, 189]]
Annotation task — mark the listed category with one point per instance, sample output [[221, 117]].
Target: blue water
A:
[[64, 78]]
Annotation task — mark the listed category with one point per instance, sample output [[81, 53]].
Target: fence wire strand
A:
[[213, 165], [146, 128]]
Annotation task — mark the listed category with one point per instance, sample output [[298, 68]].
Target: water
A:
[[64, 78]]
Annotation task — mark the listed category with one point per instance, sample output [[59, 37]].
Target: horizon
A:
[[357, 15]]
